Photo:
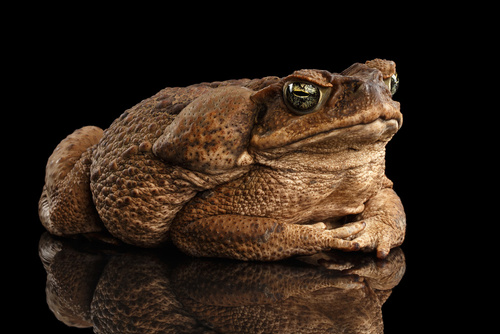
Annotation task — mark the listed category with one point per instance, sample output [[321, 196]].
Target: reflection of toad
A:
[[138, 291], [258, 169]]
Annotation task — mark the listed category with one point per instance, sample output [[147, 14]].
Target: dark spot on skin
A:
[[261, 113]]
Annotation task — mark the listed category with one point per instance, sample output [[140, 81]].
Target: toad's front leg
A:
[[385, 224], [258, 238]]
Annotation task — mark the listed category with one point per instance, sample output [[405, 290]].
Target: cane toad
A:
[[260, 169]]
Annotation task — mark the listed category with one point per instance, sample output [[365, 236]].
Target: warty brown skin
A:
[[235, 169]]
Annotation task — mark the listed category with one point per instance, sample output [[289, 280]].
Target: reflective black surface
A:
[[130, 290], [68, 76]]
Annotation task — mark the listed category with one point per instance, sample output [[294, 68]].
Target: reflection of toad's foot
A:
[[383, 274]]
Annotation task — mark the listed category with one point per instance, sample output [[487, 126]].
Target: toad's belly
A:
[[295, 197], [342, 197]]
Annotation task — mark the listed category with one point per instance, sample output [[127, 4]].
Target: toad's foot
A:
[[385, 225]]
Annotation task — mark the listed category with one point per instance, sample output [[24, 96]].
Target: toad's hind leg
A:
[[66, 206], [258, 238]]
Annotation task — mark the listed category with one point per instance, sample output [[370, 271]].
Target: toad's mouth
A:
[[353, 136], [337, 139]]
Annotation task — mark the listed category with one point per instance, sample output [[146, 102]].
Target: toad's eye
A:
[[302, 97], [392, 83]]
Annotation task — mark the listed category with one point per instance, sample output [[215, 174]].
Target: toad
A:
[[250, 169]]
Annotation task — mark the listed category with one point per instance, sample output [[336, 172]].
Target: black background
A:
[[77, 68]]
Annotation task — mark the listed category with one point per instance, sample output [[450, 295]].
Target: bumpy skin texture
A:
[[233, 169]]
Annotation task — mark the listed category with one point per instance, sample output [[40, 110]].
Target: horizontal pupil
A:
[[300, 93]]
